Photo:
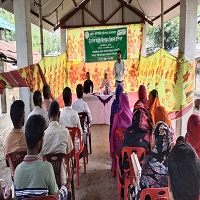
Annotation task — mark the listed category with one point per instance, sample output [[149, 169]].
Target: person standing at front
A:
[[119, 70]]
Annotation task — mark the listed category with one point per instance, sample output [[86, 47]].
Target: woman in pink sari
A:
[[122, 119], [142, 93]]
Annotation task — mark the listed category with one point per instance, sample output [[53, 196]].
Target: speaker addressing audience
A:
[[184, 173]]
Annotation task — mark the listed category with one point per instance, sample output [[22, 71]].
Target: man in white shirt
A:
[[37, 110], [68, 116], [119, 70], [81, 106], [57, 138]]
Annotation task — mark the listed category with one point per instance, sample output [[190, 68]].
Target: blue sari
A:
[[115, 105]]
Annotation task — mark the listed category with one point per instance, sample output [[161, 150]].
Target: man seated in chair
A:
[[184, 173], [81, 106], [37, 110], [15, 140], [57, 139], [69, 117], [34, 177]]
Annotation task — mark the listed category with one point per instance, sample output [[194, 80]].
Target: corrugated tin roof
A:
[[4, 24], [150, 8], [9, 49]]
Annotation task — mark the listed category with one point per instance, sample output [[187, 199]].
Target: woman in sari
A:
[[153, 103], [142, 93], [115, 105], [162, 115], [155, 165], [122, 119], [193, 132]]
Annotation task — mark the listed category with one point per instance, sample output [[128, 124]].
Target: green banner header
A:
[[102, 45]]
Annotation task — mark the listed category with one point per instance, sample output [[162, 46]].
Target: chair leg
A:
[[77, 172], [86, 150], [72, 186], [90, 143], [84, 159]]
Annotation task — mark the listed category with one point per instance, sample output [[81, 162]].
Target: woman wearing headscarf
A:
[[137, 135], [155, 165], [142, 93], [162, 115], [193, 132], [153, 103], [122, 119], [115, 105], [106, 84]]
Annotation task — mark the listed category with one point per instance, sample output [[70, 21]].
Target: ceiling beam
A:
[[168, 10], [74, 3], [92, 15], [122, 14], [112, 14], [92, 25], [135, 11], [37, 15], [71, 14], [102, 10], [83, 21]]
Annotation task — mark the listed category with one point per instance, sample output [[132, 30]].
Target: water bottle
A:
[[90, 89]]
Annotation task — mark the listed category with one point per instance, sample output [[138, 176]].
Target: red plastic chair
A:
[[15, 158], [56, 160], [155, 193], [50, 197], [139, 151], [120, 134], [73, 132]]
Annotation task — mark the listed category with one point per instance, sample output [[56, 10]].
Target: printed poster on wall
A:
[[102, 45]]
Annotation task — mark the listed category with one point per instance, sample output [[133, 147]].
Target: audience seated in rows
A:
[[184, 173], [15, 140], [162, 115], [68, 116], [37, 110], [193, 132], [81, 106], [34, 177], [46, 94], [155, 165], [142, 93], [57, 139], [115, 105], [122, 119], [153, 103]]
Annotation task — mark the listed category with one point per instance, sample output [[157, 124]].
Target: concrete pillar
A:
[[63, 40], [23, 43], [143, 50], [187, 45]]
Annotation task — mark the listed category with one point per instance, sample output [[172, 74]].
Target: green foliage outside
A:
[[51, 40]]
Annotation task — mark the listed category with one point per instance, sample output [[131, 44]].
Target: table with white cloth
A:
[[100, 107]]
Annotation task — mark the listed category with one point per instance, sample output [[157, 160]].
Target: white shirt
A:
[[119, 70], [70, 118], [39, 111], [57, 140]]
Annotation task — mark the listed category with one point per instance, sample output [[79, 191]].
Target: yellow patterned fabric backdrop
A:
[[51, 71], [75, 42], [173, 78]]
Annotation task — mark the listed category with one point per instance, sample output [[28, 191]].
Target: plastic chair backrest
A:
[[83, 116], [50, 197], [73, 131], [120, 133], [15, 158], [56, 160], [139, 151], [155, 193]]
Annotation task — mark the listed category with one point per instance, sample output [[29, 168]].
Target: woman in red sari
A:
[[193, 132]]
